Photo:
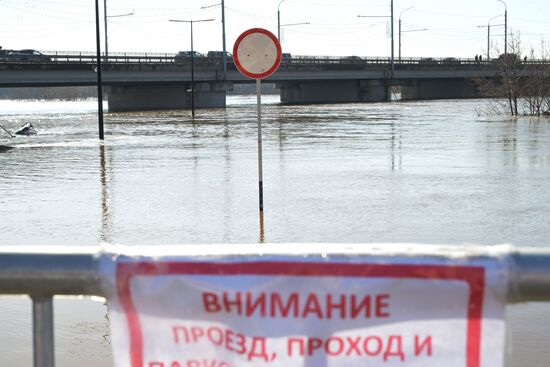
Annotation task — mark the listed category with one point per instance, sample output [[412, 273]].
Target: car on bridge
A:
[[219, 55], [3, 53], [351, 60], [183, 56], [27, 55], [450, 61], [286, 58], [427, 61]]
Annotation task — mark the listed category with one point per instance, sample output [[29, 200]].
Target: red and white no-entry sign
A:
[[257, 53]]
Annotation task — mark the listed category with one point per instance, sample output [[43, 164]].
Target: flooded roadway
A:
[[427, 172]]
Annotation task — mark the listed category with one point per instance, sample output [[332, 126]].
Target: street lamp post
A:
[[392, 59], [105, 16], [105, 21], [224, 56], [291, 24], [409, 8], [489, 35], [392, 47], [279, 20], [505, 27], [192, 59]]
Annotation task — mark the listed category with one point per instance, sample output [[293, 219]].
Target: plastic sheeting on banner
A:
[[304, 305]]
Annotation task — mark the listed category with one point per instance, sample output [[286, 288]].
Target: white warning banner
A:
[[315, 312]]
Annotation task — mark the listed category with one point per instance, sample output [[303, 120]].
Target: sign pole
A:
[[99, 80], [260, 153], [257, 54]]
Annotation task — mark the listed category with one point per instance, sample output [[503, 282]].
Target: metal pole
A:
[[43, 338], [279, 25], [224, 57], [488, 40], [392, 52], [399, 39], [98, 66], [192, 75], [505, 26], [260, 155], [409, 8], [192, 59], [106, 41], [505, 30], [279, 20]]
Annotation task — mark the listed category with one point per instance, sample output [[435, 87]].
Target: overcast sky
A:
[[334, 26]]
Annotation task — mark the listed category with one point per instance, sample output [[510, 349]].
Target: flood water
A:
[[442, 172]]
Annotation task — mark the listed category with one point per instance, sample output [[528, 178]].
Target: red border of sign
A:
[[473, 276], [238, 63]]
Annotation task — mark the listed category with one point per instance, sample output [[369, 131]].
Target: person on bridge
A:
[[476, 58]]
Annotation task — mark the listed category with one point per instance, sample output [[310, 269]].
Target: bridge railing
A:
[[132, 58], [77, 271]]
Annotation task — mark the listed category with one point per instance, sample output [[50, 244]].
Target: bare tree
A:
[[522, 86]]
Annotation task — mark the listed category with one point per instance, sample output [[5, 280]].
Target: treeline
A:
[[50, 93]]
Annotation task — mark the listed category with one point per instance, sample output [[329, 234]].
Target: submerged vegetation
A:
[[523, 84]]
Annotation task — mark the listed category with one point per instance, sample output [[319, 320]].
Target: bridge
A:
[[160, 81]]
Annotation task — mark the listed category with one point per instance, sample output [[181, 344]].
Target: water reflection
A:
[[106, 218], [393, 148], [227, 174], [262, 228]]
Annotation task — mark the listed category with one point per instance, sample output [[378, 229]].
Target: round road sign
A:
[[257, 53]]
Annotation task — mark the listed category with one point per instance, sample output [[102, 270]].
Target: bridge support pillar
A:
[[439, 89], [333, 92], [166, 97]]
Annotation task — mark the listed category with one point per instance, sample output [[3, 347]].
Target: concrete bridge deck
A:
[[159, 81]]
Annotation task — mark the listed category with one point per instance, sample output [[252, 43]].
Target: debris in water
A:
[[26, 129]]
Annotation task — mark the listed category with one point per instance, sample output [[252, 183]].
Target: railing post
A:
[[42, 325]]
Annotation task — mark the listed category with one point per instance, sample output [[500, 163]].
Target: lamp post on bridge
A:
[[224, 56], [505, 27], [489, 34], [279, 20], [291, 24], [409, 8], [392, 57], [412, 30], [105, 16], [192, 59]]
